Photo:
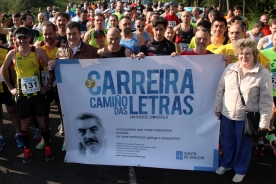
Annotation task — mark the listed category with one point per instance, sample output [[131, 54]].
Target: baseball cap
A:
[[98, 32], [22, 31], [107, 11], [6, 17]]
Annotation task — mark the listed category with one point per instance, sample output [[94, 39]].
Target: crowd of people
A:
[[29, 49]]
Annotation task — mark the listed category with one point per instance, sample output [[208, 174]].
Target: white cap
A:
[[107, 11]]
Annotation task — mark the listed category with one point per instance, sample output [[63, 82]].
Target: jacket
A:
[[256, 88], [85, 51]]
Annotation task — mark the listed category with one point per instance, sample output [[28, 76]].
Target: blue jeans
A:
[[235, 146]]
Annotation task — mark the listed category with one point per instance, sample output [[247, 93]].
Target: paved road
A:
[[12, 170]]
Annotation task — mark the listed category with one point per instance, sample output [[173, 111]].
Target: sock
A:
[[1, 136], [46, 136], [25, 138], [260, 142]]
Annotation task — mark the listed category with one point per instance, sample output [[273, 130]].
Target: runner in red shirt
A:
[[172, 17], [266, 30]]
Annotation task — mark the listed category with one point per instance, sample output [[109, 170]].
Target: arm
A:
[[7, 63], [265, 100], [41, 54], [260, 44], [194, 30], [176, 29], [86, 37], [100, 52], [128, 52]]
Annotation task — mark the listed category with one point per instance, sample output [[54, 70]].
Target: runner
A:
[[27, 21], [238, 12], [83, 21], [266, 42], [113, 21], [61, 20], [41, 18], [140, 26], [256, 33], [16, 20], [29, 93], [100, 38], [159, 45], [119, 10], [172, 18], [196, 15], [266, 30]]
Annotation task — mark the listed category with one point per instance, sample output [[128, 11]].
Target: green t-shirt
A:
[[271, 55], [119, 15]]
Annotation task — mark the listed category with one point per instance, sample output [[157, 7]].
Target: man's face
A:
[[154, 16], [91, 135], [61, 22], [112, 5], [113, 21], [91, 13], [139, 25], [49, 34], [49, 9], [78, 11], [119, 7], [28, 22], [113, 39], [258, 30], [273, 28], [159, 32], [100, 39], [202, 40], [195, 12], [99, 22], [264, 19], [138, 2], [23, 41], [173, 10], [73, 36], [237, 12], [16, 21], [83, 17], [127, 13], [186, 17], [235, 33], [218, 28], [11, 37], [180, 8], [125, 26]]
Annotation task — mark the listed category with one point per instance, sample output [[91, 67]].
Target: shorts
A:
[[26, 104], [6, 98], [52, 95]]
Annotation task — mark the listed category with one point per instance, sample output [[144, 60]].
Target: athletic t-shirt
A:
[[3, 52], [62, 39], [192, 52], [271, 55], [172, 20], [266, 30], [119, 15], [155, 48], [228, 50]]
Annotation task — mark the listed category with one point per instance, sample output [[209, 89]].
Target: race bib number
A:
[[45, 77], [30, 85], [184, 46], [172, 24], [273, 74], [1, 78]]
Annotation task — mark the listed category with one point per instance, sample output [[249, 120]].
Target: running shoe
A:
[[221, 170], [259, 150], [2, 143], [41, 144], [37, 135], [238, 178], [60, 129], [48, 154], [64, 146], [19, 141], [270, 137], [273, 146], [27, 156]]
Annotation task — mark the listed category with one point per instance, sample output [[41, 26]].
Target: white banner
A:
[[153, 112]]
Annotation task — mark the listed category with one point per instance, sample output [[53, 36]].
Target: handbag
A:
[[252, 120]]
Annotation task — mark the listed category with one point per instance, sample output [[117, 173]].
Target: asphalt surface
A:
[[12, 170]]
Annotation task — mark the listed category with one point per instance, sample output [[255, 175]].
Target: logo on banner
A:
[[179, 155]]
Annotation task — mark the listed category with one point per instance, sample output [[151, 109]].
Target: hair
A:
[[273, 21], [159, 20], [246, 42], [49, 24], [215, 13], [84, 11], [125, 17], [28, 11], [24, 17], [237, 7], [204, 23], [241, 25], [205, 30], [167, 7], [259, 23], [16, 15], [150, 9], [180, 4], [234, 18], [64, 15], [100, 15], [133, 8], [71, 25], [113, 15], [219, 19], [140, 18], [86, 116]]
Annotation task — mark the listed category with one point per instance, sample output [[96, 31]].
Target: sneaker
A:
[[2, 143], [273, 146], [41, 144], [64, 146], [48, 154], [37, 135], [221, 170], [19, 141], [259, 150], [270, 137], [27, 156], [60, 129], [238, 178]]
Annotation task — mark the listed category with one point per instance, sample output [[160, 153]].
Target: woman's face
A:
[[246, 57], [169, 34]]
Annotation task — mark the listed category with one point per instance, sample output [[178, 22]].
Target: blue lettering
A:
[[139, 84], [141, 105], [153, 98], [187, 82], [176, 105], [131, 106], [99, 102], [151, 81], [91, 102], [185, 100], [120, 83], [164, 105], [98, 91], [161, 82], [171, 82], [108, 83]]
